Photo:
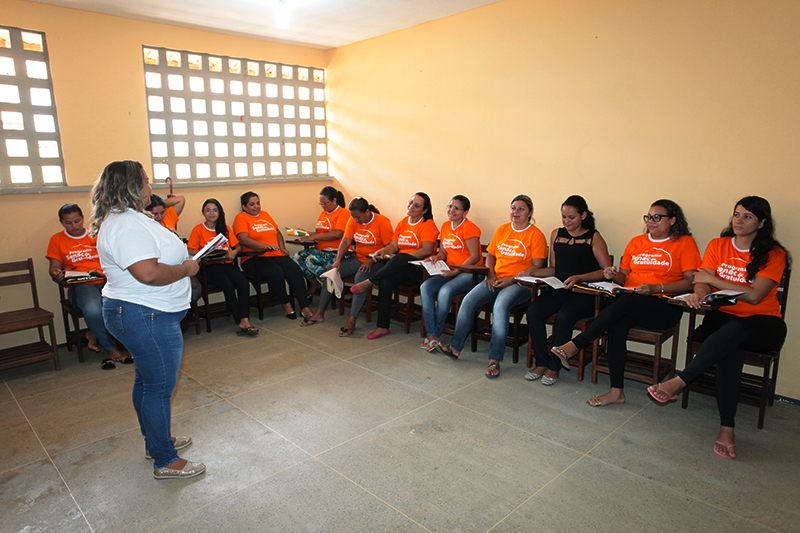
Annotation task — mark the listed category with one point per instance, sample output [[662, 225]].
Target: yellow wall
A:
[[623, 102]]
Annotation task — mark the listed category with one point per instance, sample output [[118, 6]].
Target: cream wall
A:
[[623, 102]]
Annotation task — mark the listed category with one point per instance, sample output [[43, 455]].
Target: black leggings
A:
[[395, 272], [230, 279], [278, 270], [569, 307], [623, 313], [725, 339]]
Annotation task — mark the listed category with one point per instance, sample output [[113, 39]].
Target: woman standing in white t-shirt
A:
[[144, 300]]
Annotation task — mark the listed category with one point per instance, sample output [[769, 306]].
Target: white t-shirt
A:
[[129, 237]]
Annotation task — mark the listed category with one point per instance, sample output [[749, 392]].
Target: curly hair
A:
[[765, 240], [681, 225], [118, 188]]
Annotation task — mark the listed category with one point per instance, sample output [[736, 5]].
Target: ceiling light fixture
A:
[[282, 16]]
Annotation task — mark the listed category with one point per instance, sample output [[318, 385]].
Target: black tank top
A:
[[574, 254]]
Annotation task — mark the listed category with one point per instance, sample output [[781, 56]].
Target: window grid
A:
[[30, 139], [218, 117]]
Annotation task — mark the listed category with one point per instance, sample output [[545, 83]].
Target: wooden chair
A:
[[757, 390], [347, 298], [208, 310], [262, 299], [71, 315], [21, 273]]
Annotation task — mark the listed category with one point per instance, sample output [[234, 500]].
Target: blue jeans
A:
[[90, 301], [437, 294], [155, 341], [504, 299]]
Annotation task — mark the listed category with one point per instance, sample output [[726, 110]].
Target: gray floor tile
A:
[[329, 406], [113, 482], [307, 497], [325, 337], [17, 440], [33, 498], [449, 469], [593, 496]]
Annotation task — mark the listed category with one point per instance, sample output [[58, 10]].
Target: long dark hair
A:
[[426, 204], [155, 201], [681, 226], [332, 194], [581, 207], [361, 205], [765, 241], [219, 225]]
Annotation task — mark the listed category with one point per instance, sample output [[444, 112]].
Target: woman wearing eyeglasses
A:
[[328, 235], [661, 261], [516, 249], [745, 258], [460, 245], [414, 238]]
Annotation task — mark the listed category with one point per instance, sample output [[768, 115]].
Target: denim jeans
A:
[[437, 294], [90, 301], [155, 341], [504, 299]]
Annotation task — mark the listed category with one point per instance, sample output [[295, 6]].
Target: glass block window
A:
[[227, 118], [30, 142]]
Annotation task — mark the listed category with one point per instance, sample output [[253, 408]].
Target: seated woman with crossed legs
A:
[[745, 258]]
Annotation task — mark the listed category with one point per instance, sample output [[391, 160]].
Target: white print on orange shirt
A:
[[260, 226], [82, 254], [452, 242], [736, 274], [512, 248], [408, 239], [365, 237], [323, 224], [651, 258]]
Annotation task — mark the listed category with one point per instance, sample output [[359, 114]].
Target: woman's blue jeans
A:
[[437, 294], [89, 298], [504, 299], [155, 341]]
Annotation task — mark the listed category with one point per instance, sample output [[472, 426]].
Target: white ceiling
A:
[[317, 23]]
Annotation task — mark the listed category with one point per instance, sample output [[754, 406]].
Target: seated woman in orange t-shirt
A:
[[167, 212], [663, 260], [227, 275], [368, 231], [516, 249], [75, 249], [745, 258], [257, 231], [414, 239]]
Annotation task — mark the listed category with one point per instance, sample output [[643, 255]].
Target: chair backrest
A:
[[783, 290], [18, 273]]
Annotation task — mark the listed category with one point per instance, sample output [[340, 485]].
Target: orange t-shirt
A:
[[369, 237], [261, 228], [655, 262], [515, 250], [410, 237], [337, 219], [454, 241], [201, 236], [730, 263], [170, 219], [75, 253]]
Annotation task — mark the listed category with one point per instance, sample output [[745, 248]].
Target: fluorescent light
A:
[[282, 16]]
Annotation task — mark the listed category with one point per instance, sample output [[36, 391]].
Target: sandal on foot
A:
[[562, 356], [546, 381], [663, 397], [346, 332], [108, 364], [425, 344], [128, 360], [532, 376], [308, 321], [728, 450], [447, 350], [250, 332], [493, 370]]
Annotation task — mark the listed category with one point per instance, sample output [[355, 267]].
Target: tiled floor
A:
[[304, 431]]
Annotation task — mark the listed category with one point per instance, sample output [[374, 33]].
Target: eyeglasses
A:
[[653, 218], [455, 207]]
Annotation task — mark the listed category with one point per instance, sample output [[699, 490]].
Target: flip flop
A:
[[108, 364], [447, 350], [250, 332], [653, 393], [563, 357], [490, 370], [128, 360], [727, 454], [346, 332], [425, 344], [308, 321]]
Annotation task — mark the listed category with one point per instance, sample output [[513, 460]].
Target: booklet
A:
[[76, 276], [552, 281], [606, 287], [718, 295], [292, 232], [434, 269], [212, 245]]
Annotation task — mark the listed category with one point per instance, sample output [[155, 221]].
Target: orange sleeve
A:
[[54, 250], [429, 231], [195, 241], [232, 240], [240, 224]]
